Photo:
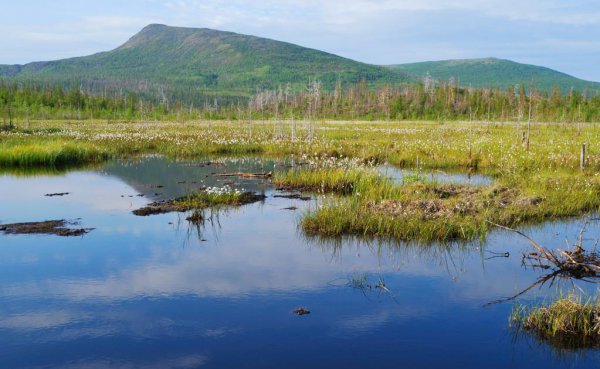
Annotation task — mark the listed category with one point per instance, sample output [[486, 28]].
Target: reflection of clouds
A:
[[258, 251], [501, 278], [72, 333], [366, 323], [40, 320], [88, 191], [221, 271], [148, 288], [70, 325], [256, 255], [181, 362], [239, 265], [137, 327]]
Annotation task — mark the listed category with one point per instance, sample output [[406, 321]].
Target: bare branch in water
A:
[[578, 264]]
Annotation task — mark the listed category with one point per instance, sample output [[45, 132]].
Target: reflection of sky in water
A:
[[143, 293], [398, 175]]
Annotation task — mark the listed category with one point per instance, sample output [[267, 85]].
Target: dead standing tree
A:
[[7, 114], [314, 99]]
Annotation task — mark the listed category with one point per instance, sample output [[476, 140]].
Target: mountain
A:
[[206, 60], [496, 73], [9, 70], [195, 64]]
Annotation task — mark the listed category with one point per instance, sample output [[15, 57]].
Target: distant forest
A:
[[425, 100]]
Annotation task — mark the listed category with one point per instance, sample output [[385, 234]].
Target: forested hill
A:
[[496, 73], [192, 60], [195, 65]]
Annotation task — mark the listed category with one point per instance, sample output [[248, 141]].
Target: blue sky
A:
[[560, 34]]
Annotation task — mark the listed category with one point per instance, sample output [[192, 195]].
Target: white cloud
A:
[[353, 12]]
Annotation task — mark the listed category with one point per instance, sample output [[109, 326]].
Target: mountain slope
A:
[[497, 73], [204, 59]]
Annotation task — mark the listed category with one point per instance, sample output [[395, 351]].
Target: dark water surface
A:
[[155, 292]]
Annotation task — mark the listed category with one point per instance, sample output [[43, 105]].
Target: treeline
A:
[[23, 102], [429, 101], [425, 100]]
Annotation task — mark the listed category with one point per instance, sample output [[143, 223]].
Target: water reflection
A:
[[157, 178], [159, 292], [400, 175]]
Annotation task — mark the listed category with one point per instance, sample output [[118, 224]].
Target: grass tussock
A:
[[566, 323], [213, 198], [331, 180], [50, 155], [216, 197], [421, 210]]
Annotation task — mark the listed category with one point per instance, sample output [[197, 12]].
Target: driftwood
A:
[[575, 264], [246, 175], [56, 194], [295, 196]]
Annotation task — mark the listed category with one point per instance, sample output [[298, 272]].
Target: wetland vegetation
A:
[[538, 172], [567, 323], [533, 182], [212, 197], [200, 198]]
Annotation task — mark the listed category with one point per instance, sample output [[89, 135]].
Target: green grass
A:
[[340, 218], [216, 198], [495, 149], [531, 185], [372, 206], [331, 180], [50, 154], [566, 323], [376, 207]]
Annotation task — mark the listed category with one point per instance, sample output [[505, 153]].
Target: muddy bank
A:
[[48, 227]]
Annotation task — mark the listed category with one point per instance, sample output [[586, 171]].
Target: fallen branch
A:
[[572, 265], [547, 254], [246, 175]]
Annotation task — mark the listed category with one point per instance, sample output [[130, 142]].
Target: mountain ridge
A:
[[496, 72], [202, 58], [184, 61]]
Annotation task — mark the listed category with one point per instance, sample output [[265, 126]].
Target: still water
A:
[[156, 292]]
